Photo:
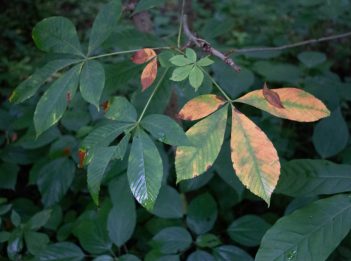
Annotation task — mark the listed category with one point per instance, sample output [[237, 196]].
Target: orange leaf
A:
[[143, 55], [149, 74], [272, 97], [200, 107], [298, 104], [254, 157], [82, 153]]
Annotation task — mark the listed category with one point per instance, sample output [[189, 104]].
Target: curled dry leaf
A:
[[143, 55], [149, 74], [200, 107], [254, 157], [272, 97], [298, 104]]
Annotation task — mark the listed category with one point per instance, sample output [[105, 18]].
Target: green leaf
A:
[[248, 230], [15, 218], [202, 214], [165, 129], [144, 5], [122, 217], [163, 208], [53, 103], [196, 77], [36, 242], [208, 240], [96, 169], [103, 258], [122, 147], [312, 59], [206, 61], [104, 135], [58, 35], [104, 24], [31, 85], [207, 135], [121, 109], [54, 180], [180, 60], [8, 175], [128, 257], [39, 220], [145, 170], [63, 251], [92, 82], [181, 73], [229, 253], [305, 178], [191, 54], [329, 140], [172, 240], [310, 233], [278, 72], [200, 255], [93, 237]]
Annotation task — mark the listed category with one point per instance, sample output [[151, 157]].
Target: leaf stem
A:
[[217, 85], [123, 52], [180, 23], [151, 96]]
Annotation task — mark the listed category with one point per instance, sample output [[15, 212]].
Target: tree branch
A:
[[207, 47], [288, 46]]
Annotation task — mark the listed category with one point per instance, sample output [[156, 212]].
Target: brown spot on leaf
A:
[[105, 106], [67, 151], [68, 97], [82, 153], [272, 97]]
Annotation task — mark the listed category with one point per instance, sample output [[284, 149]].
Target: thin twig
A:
[[288, 46], [207, 47]]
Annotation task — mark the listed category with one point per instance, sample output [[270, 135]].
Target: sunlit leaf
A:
[[143, 56], [180, 60], [200, 107], [254, 157], [206, 61], [149, 74], [181, 73], [145, 170], [207, 137], [191, 54], [298, 104], [196, 77]]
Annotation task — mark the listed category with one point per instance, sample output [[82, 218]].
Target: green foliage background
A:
[[45, 207]]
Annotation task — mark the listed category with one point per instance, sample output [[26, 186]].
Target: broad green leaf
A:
[[29, 141], [181, 73], [196, 77], [128, 257], [230, 253], [298, 104], [96, 169], [15, 218], [191, 54], [164, 129], [206, 61], [254, 157], [122, 147], [248, 230], [121, 109], [53, 103], [39, 219], [103, 258], [58, 35], [180, 60], [63, 251], [208, 240], [54, 180], [312, 59], [122, 217], [310, 233], [331, 135], [207, 136], [172, 240], [278, 72], [144, 5], [36, 242], [200, 255], [145, 170], [8, 175], [163, 208], [31, 85], [15, 244], [104, 24], [200, 107], [314, 177], [104, 135], [202, 214], [93, 237], [92, 82]]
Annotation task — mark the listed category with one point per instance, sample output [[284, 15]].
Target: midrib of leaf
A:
[[251, 152], [74, 47], [306, 236]]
